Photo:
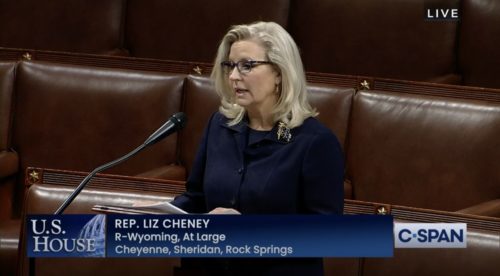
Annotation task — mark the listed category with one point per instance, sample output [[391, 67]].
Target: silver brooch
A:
[[284, 134]]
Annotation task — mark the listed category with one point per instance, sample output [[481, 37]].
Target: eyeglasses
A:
[[244, 66]]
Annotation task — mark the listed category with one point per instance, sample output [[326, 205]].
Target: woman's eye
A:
[[246, 66]]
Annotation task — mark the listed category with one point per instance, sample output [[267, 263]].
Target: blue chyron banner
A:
[[210, 236]]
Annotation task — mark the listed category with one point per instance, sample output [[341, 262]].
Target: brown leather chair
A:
[[405, 148], [59, 25], [9, 230], [8, 157], [478, 57], [190, 30], [77, 118], [384, 38], [424, 151]]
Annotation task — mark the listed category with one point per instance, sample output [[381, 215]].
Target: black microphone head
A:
[[173, 124], [179, 119]]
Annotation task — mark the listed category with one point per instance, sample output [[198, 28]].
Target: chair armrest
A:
[[489, 208], [9, 163], [168, 172], [9, 242]]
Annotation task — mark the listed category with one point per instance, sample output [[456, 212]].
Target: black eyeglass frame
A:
[[226, 65]]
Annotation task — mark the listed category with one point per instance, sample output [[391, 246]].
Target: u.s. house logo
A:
[[66, 236]]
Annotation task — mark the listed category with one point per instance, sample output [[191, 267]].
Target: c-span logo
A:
[[430, 235]]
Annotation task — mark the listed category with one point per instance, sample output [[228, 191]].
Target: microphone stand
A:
[[31, 270], [175, 123], [84, 182]]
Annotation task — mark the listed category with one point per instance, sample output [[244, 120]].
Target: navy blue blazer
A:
[[266, 176]]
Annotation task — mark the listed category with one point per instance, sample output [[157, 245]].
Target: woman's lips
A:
[[240, 91]]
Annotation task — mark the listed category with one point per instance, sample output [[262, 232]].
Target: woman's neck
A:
[[260, 120]]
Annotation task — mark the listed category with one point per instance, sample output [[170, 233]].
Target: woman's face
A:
[[254, 90]]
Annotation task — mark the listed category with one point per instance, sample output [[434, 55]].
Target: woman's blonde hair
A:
[[292, 107]]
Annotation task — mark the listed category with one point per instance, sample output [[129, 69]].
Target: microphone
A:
[[174, 123]]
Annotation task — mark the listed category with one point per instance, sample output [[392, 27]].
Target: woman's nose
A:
[[235, 74]]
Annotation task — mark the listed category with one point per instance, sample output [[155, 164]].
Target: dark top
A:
[[254, 172], [266, 175]]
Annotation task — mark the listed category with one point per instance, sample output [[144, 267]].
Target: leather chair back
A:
[[8, 159], [424, 151], [59, 25], [200, 102], [77, 118], [479, 58], [7, 72], [191, 30], [383, 38]]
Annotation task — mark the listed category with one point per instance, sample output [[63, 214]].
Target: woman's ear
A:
[[278, 79]]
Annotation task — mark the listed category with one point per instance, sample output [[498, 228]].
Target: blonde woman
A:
[[264, 152]]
